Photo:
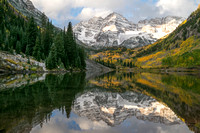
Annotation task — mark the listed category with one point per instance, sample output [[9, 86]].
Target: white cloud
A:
[[105, 4], [177, 7], [60, 10], [54, 8], [87, 13]]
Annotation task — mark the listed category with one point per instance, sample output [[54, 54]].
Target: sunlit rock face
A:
[[27, 8], [114, 108], [116, 30]]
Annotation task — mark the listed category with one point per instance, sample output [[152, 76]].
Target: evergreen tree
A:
[[65, 59], [47, 39], [36, 50], [124, 64], [18, 47], [70, 46], [1, 17], [51, 62], [82, 58], [58, 41], [6, 47], [11, 42], [31, 36], [1, 40], [78, 62], [44, 41], [42, 44], [23, 42]]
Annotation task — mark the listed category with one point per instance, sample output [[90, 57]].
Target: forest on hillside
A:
[[21, 35]]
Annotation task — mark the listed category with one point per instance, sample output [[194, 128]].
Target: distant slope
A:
[[179, 49]]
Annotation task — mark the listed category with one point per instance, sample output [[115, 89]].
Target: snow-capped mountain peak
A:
[[115, 17], [116, 30]]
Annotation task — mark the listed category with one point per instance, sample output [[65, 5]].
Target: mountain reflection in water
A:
[[114, 102]]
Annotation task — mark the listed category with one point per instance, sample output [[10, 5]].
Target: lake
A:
[[116, 102]]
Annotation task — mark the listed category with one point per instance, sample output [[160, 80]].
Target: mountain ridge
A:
[[116, 30]]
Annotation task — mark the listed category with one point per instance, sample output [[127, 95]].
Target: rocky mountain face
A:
[[114, 108], [27, 8], [116, 30]]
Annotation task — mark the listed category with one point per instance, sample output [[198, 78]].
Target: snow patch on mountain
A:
[[116, 30], [110, 28]]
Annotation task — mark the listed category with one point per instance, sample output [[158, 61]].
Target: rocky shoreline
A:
[[20, 64]]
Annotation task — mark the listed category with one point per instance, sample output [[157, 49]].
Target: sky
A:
[[63, 11]]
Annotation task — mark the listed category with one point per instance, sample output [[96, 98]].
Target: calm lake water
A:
[[111, 103]]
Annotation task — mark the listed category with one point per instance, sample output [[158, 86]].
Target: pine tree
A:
[[27, 50], [43, 36], [78, 62], [65, 59], [58, 41], [36, 50], [6, 47], [42, 44], [124, 64], [82, 58], [47, 39], [1, 40], [23, 42], [31, 36], [18, 47], [70, 46], [51, 62], [1, 18]]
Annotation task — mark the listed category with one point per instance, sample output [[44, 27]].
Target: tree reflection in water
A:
[[105, 99]]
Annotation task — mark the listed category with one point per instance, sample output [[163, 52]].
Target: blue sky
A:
[[63, 11], [76, 11]]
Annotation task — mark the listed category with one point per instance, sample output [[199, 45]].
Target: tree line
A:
[[20, 34], [112, 64]]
